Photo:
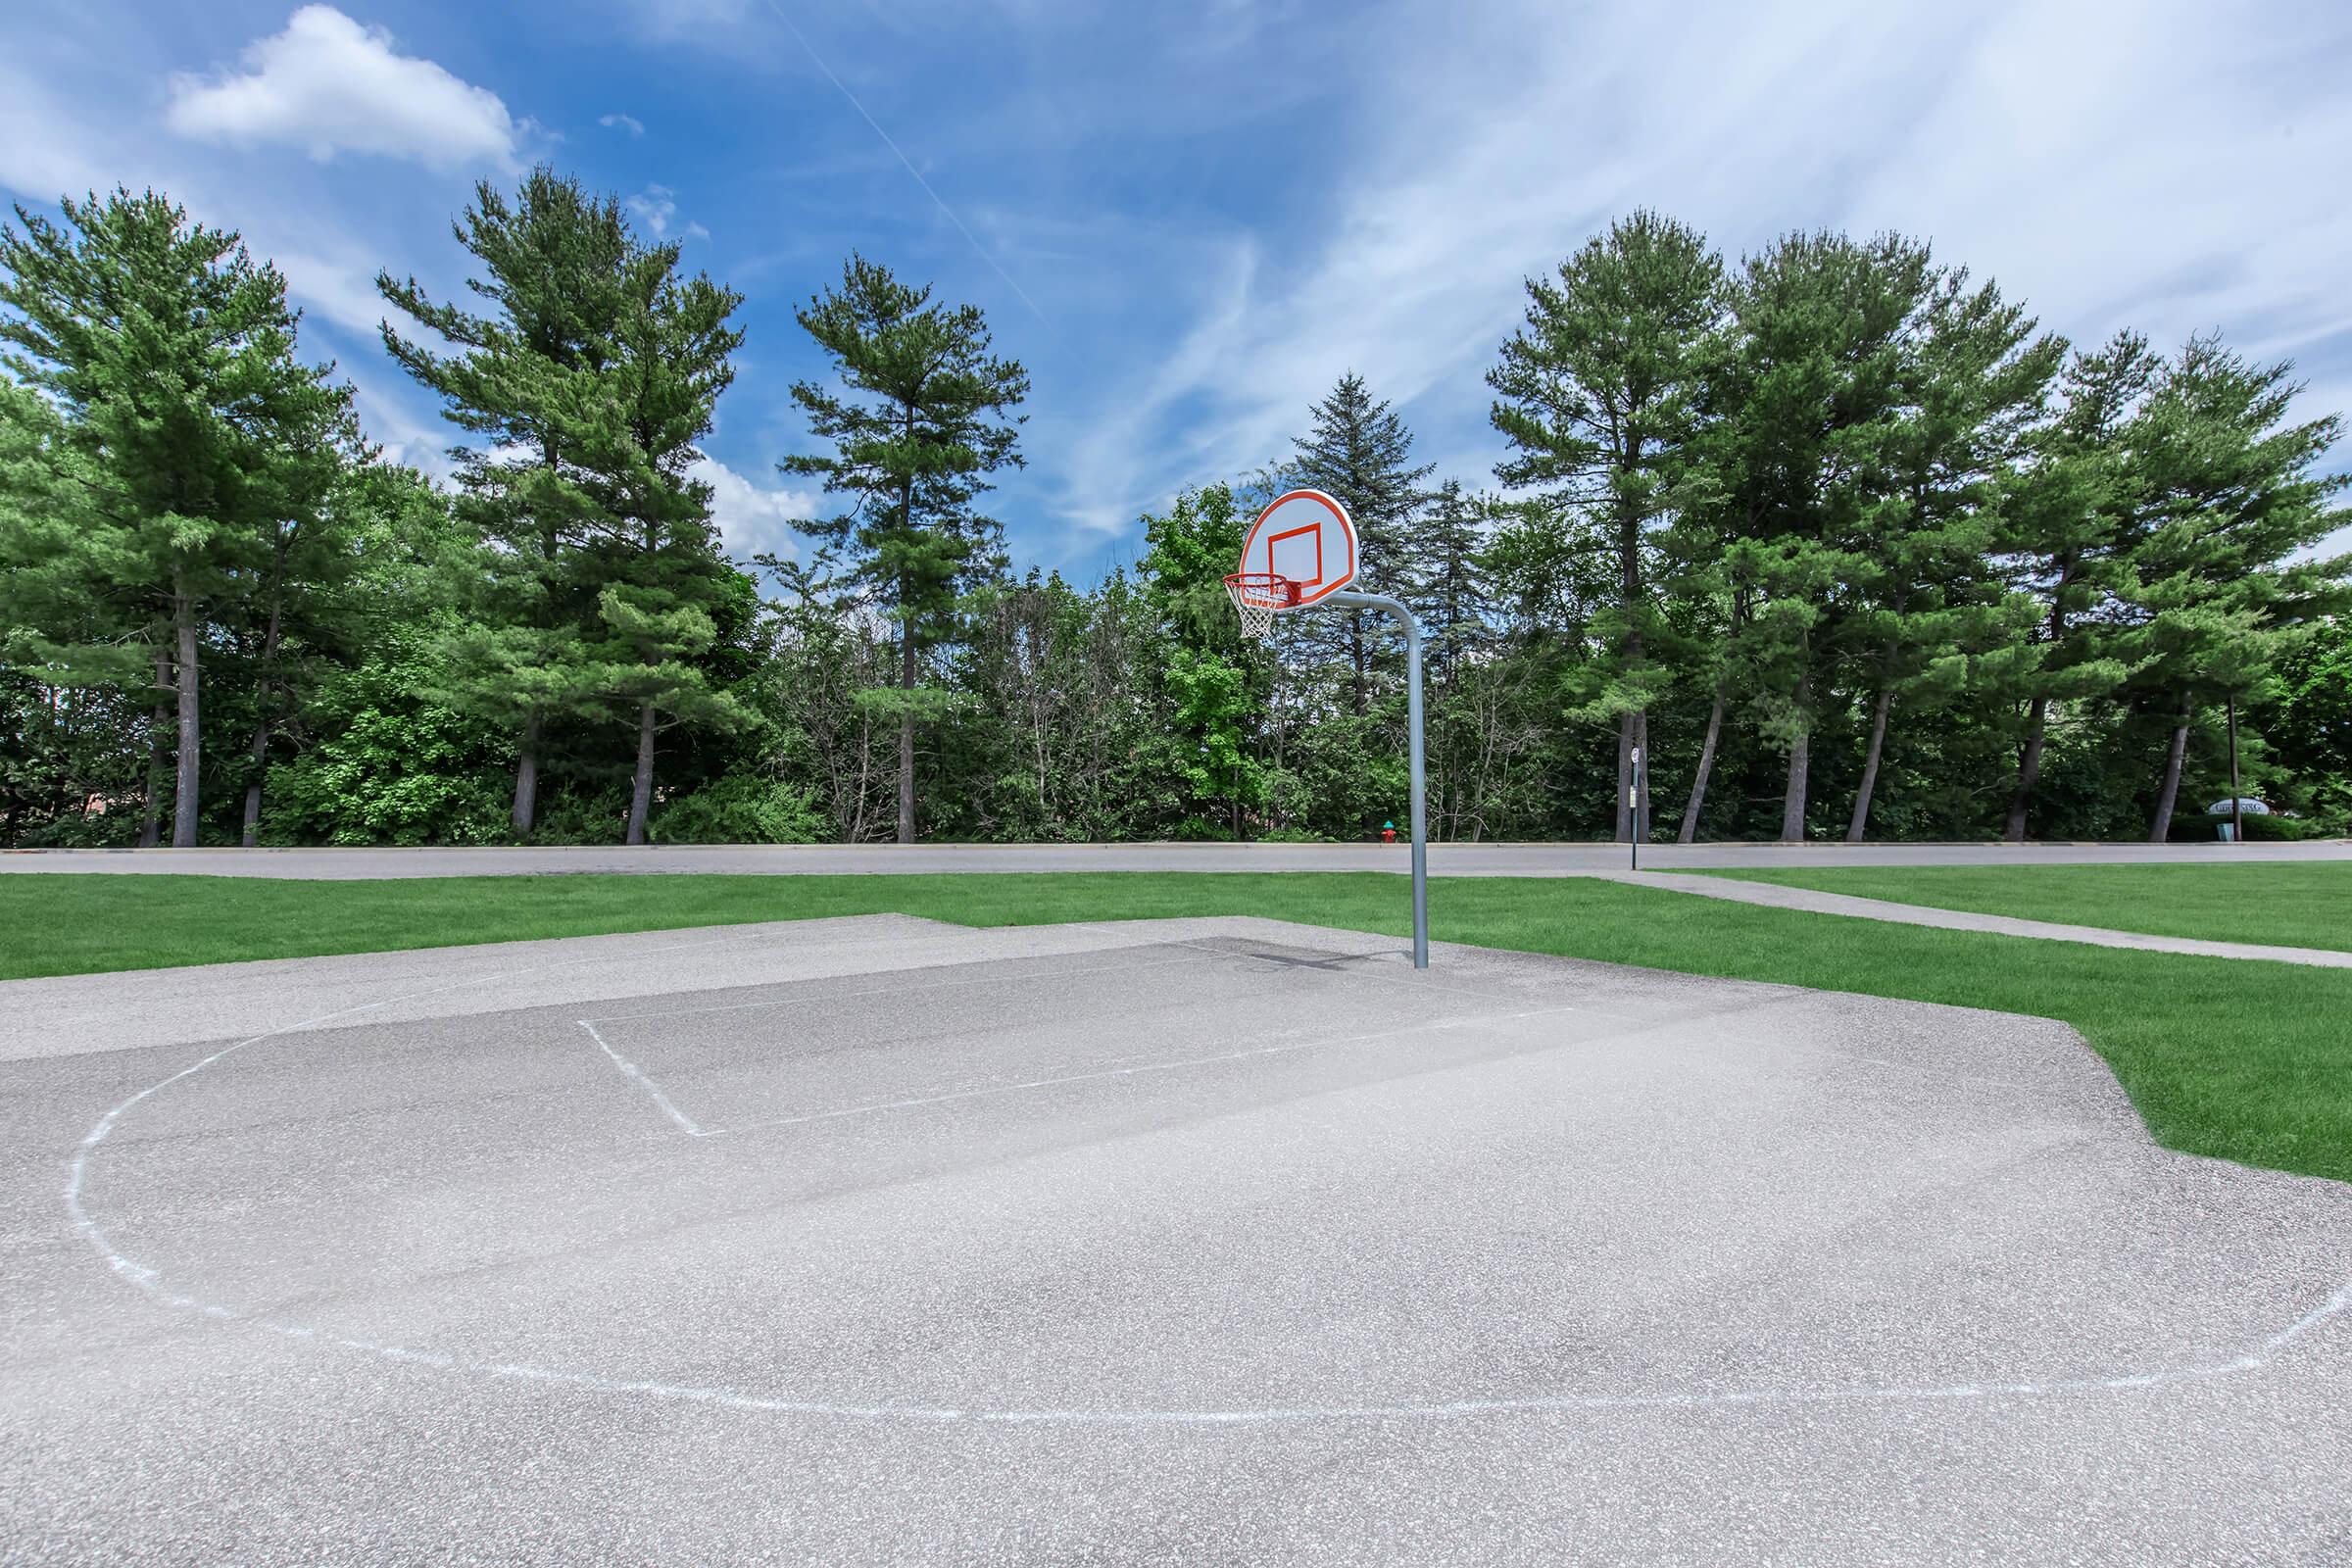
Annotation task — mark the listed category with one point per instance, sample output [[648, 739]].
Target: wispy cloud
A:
[[904, 162], [620, 121], [341, 289], [327, 84], [657, 207], [2109, 174]]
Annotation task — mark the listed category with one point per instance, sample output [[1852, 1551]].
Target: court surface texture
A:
[[1222, 1240]]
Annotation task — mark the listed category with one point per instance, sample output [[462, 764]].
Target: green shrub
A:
[[741, 809]]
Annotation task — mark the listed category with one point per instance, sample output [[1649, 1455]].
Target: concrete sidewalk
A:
[[832, 859], [1777, 896]]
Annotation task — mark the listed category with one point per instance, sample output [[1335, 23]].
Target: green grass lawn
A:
[[2293, 905], [2246, 1062]]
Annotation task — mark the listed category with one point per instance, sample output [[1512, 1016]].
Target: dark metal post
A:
[[2237, 814], [1634, 806], [1412, 716]]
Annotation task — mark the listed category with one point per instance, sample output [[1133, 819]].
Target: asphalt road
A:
[[880, 1241], [1444, 860]]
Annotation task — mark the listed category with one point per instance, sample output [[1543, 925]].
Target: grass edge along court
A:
[[2248, 1061], [2277, 902]]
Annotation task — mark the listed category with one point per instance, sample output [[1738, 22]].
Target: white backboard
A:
[[1306, 537]]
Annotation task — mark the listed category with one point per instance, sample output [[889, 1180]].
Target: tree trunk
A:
[[262, 723], [2170, 794], [252, 789], [1625, 777], [151, 815], [1706, 766], [526, 777], [2029, 761], [641, 789], [1793, 800], [1870, 769], [2028, 771], [191, 730], [907, 735]]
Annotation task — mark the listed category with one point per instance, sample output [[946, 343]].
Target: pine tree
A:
[[1448, 591], [2068, 529], [2230, 497], [169, 353], [1358, 453], [923, 416], [658, 577], [526, 382], [1927, 611], [1810, 399], [1599, 399], [298, 617]]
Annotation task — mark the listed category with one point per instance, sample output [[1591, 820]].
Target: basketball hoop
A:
[[1300, 553], [1259, 597]]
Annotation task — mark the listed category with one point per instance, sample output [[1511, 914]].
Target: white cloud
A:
[[620, 121], [657, 207], [752, 518], [327, 84], [654, 206]]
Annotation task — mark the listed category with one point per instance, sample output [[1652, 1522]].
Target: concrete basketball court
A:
[[1212, 1241]]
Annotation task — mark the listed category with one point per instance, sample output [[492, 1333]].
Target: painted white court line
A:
[[2260, 1354], [77, 1168], [631, 1070]]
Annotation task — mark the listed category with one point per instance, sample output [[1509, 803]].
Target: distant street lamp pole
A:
[[1634, 806]]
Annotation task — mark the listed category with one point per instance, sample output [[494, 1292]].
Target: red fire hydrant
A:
[[1388, 832]]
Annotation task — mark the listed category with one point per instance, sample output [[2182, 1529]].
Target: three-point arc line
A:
[[149, 1281]]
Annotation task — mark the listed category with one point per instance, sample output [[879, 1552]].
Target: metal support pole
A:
[[1412, 712], [1633, 808]]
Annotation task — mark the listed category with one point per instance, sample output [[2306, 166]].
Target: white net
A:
[[1257, 598]]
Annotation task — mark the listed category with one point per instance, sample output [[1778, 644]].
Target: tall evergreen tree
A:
[[1359, 454], [2232, 497], [924, 414], [170, 352], [1448, 591], [2068, 530], [1599, 396], [525, 381], [1810, 400], [298, 616], [1925, 609], [661, 579]]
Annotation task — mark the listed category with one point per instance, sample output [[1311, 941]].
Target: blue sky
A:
[[1188, 219]]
